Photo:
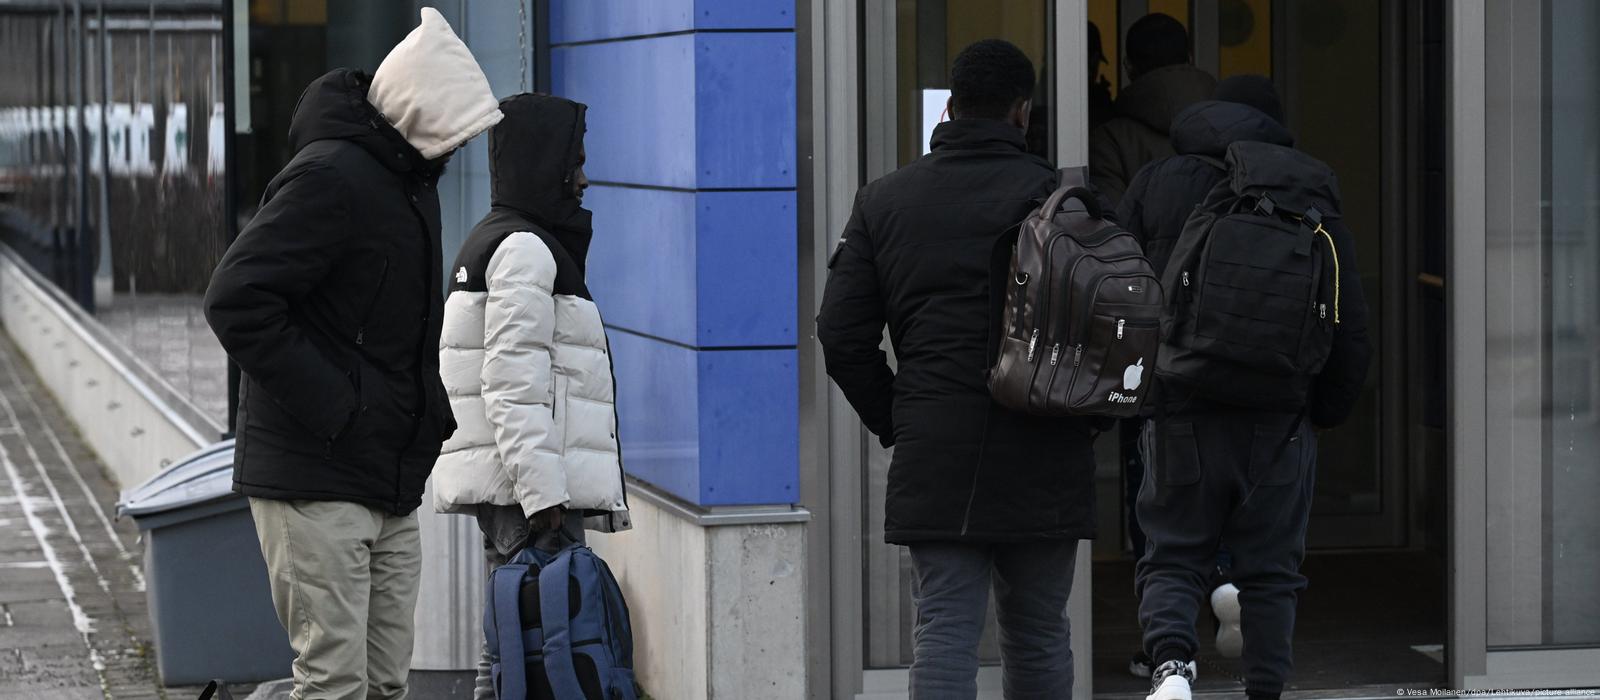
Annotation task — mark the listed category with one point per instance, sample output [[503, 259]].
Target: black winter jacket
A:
[[920, 254], [1164, 194], [330, 302]]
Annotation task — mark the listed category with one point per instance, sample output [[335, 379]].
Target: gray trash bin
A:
[[206, 583]]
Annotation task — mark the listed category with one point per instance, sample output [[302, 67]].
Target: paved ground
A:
[[169, 333], [72, 609]]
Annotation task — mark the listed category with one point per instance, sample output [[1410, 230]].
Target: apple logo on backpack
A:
[[1133, 375]]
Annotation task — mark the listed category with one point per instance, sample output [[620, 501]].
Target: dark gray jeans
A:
[[506, 532], [1031, 582], [1240, 478]]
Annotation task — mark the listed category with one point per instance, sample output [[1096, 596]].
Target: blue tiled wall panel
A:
[[745, 104], [749, 427], [641, 97], [747, 280], [658, 412], [642, 261], [592, 20], [744, 14]]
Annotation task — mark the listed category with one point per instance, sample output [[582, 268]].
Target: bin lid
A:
[[199, 478]]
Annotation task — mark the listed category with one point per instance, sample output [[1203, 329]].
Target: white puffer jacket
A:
[[529, 377]]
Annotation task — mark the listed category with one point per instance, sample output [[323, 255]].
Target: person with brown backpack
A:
[[986, 497]]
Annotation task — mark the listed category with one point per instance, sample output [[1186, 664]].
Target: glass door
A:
[[1526, 434]]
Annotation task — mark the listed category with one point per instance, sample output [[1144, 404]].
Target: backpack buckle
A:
[[1265, 206], [1314, 216]]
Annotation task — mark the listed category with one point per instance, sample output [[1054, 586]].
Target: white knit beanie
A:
[[432, 90]]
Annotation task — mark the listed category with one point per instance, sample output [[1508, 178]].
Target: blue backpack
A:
[[558, 626]]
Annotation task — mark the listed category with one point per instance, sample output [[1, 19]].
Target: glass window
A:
[[1543, 317], [1572, 242]]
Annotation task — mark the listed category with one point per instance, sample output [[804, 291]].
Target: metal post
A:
[[230, 177], [102, 263], [78, 266]]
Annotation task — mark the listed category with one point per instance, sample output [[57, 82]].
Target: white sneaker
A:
[[1172, 681], [1230, 636]]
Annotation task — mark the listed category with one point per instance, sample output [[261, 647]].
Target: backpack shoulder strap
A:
[[554, 588], [505, 619]]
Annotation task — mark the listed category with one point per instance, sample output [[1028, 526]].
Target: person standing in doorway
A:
[[524, 353], [1160, 64], [1224, 475], [985, 498], [330, 302]]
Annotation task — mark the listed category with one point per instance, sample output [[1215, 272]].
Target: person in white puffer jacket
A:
[[524, 356]]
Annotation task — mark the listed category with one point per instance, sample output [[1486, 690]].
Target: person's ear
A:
[[1021, 112], [949, 107]]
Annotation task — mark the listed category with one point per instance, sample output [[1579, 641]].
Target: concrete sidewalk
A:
[[73, 622]]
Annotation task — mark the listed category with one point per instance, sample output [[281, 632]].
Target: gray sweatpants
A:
[[1235, 477], [1031, 582]]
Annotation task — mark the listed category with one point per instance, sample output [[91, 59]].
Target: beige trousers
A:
[[344, 583]]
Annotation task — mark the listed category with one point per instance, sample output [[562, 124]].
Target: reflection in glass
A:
[[1572, 240]]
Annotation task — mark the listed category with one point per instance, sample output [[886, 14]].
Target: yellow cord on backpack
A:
[[1335, 250]]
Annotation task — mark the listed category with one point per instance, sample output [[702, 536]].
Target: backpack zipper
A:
[[1335, 250], [1055, 354], [1033, 344], [1120, 323]]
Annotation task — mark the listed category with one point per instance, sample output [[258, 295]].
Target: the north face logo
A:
[[461, 275]]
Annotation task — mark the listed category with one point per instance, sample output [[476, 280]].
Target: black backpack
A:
[[1253, 287], [1081, 318]]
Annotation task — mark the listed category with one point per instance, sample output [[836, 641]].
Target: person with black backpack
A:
[[1264, 341], [979, 493]]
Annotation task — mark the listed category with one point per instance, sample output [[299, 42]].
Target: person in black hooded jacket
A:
[[330, 302], [977, 492], [1223, 476]]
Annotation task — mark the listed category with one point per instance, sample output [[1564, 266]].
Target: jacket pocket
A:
[[372, 305], [363, 439], [1276, 457], [1177, 455], [558, 413]]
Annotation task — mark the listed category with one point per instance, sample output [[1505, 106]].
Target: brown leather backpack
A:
[[1082, 312]]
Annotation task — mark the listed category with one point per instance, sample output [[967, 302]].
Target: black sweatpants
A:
[[1244, 478]]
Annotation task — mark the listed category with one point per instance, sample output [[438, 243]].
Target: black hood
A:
[[335, 106], [532, 152], [1208, 128]]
